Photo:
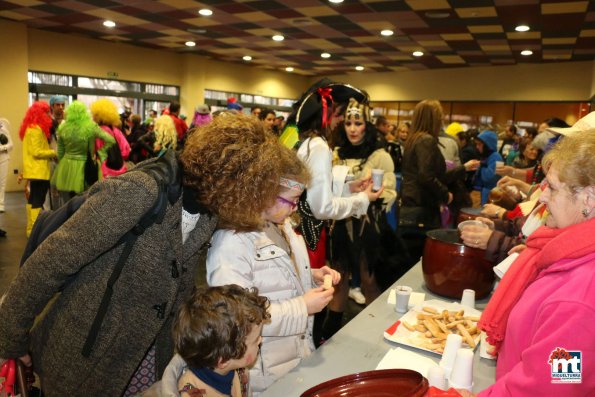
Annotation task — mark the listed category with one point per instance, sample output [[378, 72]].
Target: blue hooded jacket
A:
[[486, 177]]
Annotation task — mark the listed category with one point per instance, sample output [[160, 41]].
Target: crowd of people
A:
[[289, 234]]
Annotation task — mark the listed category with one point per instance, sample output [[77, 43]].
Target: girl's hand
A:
[[317, 298], [318, 275], [476, 236]]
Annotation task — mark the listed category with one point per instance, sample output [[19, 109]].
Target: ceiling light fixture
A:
[[190, 44], [359, 68], [247, 58], [335, 1], [526, 52], [109, 24], [522, 28], [289, 69], [417, 53], [278, 37], [205, 12], [325, 55], [387, 32]]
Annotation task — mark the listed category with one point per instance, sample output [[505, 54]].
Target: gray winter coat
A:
[[158, 276]]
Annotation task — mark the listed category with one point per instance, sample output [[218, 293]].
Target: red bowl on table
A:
[[380, 383], [449, 266]]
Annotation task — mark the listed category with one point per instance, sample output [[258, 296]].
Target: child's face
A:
[[253, 341], [285, 204]]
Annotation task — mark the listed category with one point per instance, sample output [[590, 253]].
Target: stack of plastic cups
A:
[[453, 344]]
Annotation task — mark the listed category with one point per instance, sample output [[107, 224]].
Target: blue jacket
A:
[[486, 177]]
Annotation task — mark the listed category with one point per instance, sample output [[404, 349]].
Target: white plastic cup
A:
[[461, 376], [468, 298], [499, 164], [377, 176], [453, 344], [437, 378], [402, 293]]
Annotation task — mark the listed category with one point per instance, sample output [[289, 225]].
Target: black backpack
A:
[[167, 173]]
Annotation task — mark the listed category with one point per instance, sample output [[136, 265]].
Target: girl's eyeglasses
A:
[[292, 204]]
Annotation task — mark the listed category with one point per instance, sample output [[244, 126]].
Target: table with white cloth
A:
[[359, 346]]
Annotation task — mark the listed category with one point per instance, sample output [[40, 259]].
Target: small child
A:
[[275, 260], [216, 334]]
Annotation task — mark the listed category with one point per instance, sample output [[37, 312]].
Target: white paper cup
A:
[[377, 176], [402, 293], [499, 164], [453, 343], [468, 298], [461, 376], [437, 378]]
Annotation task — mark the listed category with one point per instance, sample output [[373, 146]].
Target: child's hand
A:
[[317, 298], [318, 275]]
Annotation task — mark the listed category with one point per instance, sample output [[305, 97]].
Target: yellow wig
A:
[[453, 129], [105, 113], [166, 135]]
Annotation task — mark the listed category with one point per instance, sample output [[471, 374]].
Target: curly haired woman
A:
[[229, 172], [106, 115], [76, 139], [35, 133]]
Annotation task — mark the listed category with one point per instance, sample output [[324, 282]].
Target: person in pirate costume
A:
[[313, 118], [356, 241]]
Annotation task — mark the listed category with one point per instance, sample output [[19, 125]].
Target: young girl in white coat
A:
[[275, 261]]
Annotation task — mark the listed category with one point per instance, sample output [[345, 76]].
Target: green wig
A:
[[77, 122]]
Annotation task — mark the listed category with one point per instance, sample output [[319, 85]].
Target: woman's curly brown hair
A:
[[234, 166]]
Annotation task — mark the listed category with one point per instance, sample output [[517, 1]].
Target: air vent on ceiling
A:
[[301, 22], [437, 14]]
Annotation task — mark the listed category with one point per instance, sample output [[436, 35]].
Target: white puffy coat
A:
[[254, 260]]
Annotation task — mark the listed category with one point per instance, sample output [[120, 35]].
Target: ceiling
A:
[[451, 33]]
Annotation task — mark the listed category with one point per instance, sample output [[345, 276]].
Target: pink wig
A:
[[38, 114], [201, 119]]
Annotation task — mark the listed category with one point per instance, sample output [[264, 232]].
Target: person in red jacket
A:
[[181, 126]]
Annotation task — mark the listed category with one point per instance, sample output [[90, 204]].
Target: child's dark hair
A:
[[214, 323]]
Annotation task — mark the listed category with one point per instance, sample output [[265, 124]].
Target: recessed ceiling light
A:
[[205, 12], [289, 69], [526, 52], [109, 24], [278, 37], [387, 32], [247, 58], [522, 28], [190, 44], [359, 68], [325, 55], [335, 1], [417, 54]]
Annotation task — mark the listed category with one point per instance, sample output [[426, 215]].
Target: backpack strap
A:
[[168, 176]]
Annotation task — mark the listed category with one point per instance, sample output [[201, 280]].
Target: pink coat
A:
[[556, 311], [124, 149]]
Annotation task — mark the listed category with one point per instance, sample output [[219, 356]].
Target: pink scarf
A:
[[545, 247]]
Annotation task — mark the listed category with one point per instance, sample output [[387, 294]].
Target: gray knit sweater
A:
[[158, 276]]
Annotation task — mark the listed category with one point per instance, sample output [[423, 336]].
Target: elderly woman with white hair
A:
[[542, 315]]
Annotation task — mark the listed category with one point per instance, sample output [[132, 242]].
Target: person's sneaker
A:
[[357, 296]]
